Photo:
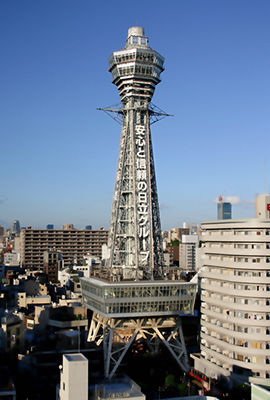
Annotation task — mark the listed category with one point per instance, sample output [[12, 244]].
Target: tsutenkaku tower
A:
[[134, 295], [135, 250]]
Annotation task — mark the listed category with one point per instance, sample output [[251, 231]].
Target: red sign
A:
[[268, 207]]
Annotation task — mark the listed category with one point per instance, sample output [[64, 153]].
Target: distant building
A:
[[89, 262], [15, 227], [176, 233], [2, 230], [71, 243], [224, 210], [168, 259], [263, 206], [187, 252], [65, 276], [49, 226], [22, 300], [52, 264], [17, 243], [12, 258], [88, 227], [193, 228]]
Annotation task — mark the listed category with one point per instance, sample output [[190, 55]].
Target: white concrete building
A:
[[188, 252], [13, 258], [262, 203], [73, 378], [235, 295], [22, 300], [65, 275]]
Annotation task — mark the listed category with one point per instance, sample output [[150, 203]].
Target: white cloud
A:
[[236, 200]]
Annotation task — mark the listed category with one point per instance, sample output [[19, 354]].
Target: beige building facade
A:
[[235, 300]]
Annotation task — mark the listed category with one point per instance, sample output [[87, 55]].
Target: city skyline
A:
[[59, 153]]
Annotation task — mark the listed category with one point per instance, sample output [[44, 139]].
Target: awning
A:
[[197, 383]]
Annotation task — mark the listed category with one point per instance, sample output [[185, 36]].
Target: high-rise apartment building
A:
[[71, 243], [235, 300]]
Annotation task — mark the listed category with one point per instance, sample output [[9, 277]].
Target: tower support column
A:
[[118, 334]]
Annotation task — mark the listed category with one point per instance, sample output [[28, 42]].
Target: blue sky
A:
[[59, 154]]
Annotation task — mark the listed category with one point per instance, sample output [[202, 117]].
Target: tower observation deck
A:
[[133, 295]]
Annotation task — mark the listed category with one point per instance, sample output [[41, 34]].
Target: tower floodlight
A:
[[134, 295]]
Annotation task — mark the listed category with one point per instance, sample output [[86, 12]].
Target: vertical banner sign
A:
[[142, 194]]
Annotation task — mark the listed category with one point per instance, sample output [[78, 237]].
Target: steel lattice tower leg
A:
[[118, 334]]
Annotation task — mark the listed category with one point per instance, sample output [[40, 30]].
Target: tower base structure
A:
[[118, 334], [128, 311]]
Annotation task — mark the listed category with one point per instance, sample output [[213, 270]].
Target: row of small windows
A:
[[252, 259], [231, 313], [260, 288], [120, 308], [148, 292], [231, 299], [137, 40], [226, 271], [243, 246], [240, 343], [140, 56], [125, 57], [139, 69], [239, 356], [239, 259], [147, 307], [97, 291], [237, 286], [236, 232], [130, 292], [252, 246]]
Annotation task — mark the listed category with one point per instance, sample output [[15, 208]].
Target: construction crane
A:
[[220, 198]]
